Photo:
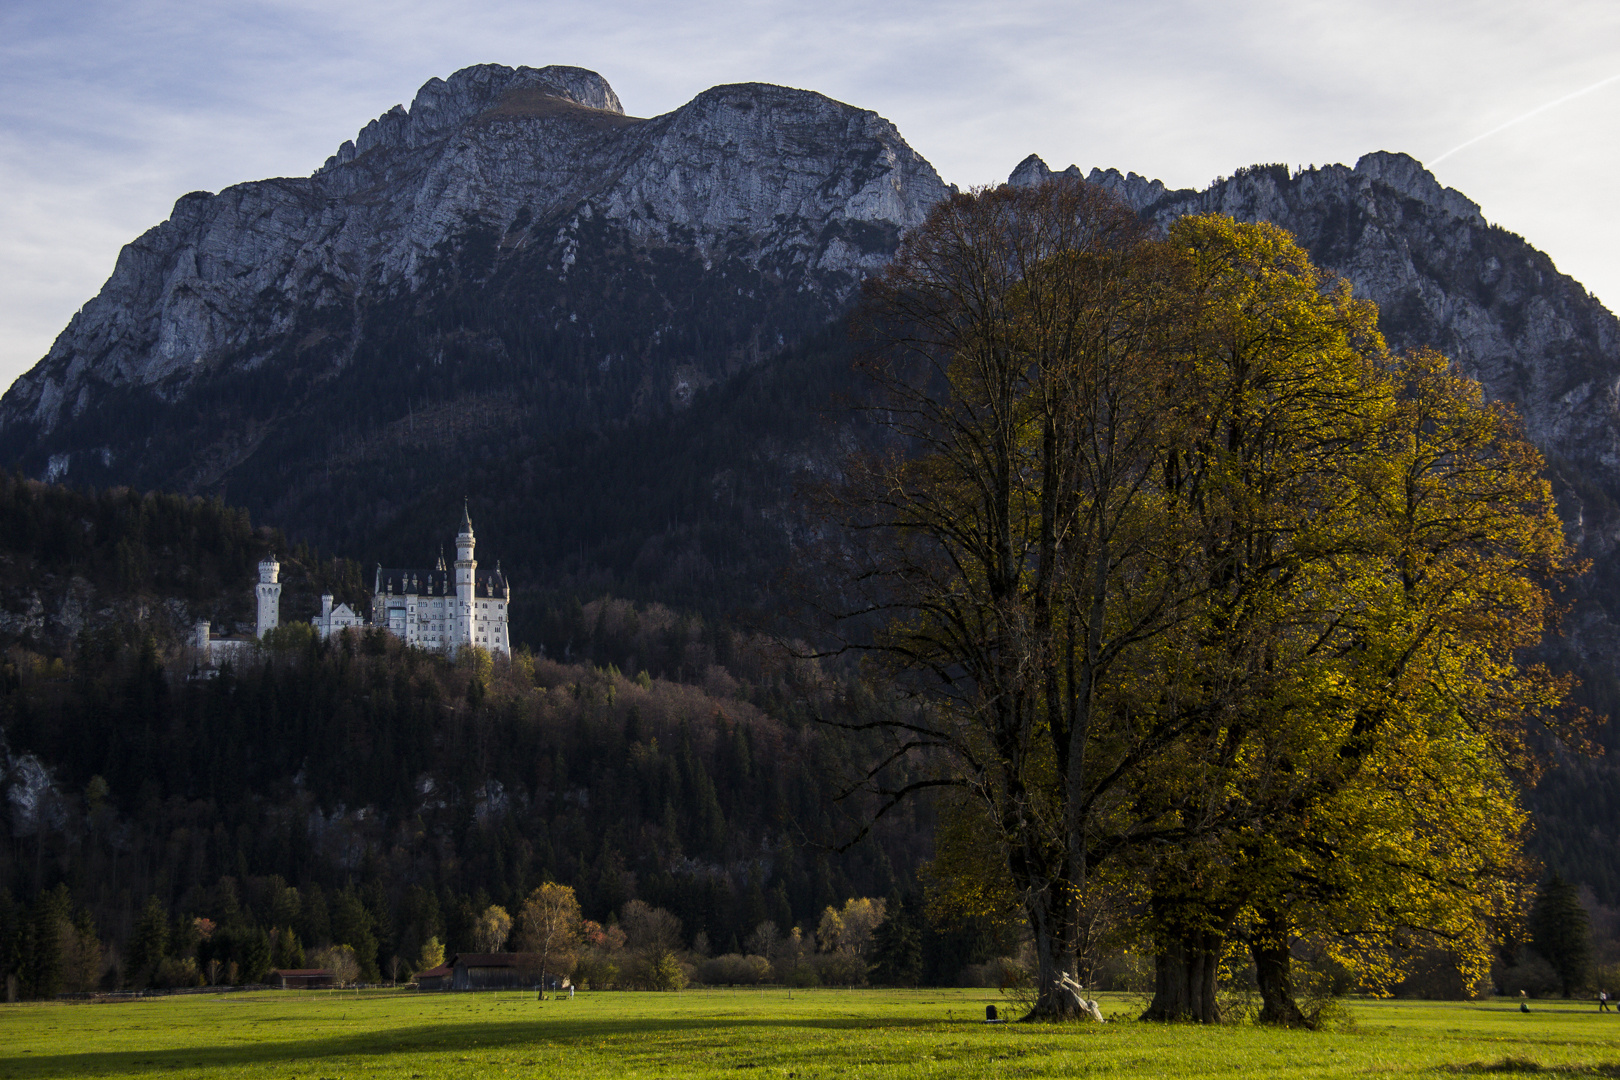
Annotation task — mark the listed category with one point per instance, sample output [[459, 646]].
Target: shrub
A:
[[341, 961], [734, 969], [174, 973], [657, 969], [838, 969]]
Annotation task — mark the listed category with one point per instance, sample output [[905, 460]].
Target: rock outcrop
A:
[[786, 183]]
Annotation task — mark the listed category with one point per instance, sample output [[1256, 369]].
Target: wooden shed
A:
[[304, 979], [438, 978], [496, 971]]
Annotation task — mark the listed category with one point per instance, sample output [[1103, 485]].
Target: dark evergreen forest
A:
[[358, 792]]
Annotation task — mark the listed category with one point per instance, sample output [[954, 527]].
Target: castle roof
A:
[[490, 583]]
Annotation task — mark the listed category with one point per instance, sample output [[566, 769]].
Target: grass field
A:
[[818, 1033]]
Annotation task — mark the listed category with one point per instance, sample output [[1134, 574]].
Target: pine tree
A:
[[352, 925], [897, 945], [52, 914], [253, 947], [149, 942], [1561, 933], [289, 951], [13, 937]]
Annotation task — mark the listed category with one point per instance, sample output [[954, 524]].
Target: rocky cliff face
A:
[[787, 186]]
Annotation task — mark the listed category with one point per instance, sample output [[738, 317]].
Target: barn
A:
[[435, 978], [303, 979], [497, 971]]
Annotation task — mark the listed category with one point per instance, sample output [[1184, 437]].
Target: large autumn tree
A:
[[1021, 347], [1376, 547], [1162, 553]]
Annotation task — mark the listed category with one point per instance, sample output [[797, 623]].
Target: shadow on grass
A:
[[1515, 1066], [482, 1037]]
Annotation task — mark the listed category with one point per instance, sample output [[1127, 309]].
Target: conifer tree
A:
[[1561, 932], [288, 951], [897, 945], [51, 927], [148, 943]]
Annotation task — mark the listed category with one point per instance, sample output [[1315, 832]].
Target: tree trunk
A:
[[1184, 980], [1054, 958], [1274, 969]]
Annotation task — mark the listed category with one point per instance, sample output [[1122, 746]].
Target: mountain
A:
[[618, 337], [751, 191], [616, 334], [512, 275]]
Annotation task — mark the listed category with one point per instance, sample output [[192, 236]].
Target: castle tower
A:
[[268, 592], [466, 578]]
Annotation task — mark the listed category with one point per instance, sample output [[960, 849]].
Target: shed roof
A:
[[499, 959]]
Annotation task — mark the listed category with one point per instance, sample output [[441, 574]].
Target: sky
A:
[[109, 111]]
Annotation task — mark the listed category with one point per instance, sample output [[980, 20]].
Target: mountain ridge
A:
[[1480, 294], [740, 172], [512, 270]]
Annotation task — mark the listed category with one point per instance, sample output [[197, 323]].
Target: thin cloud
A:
[[1498, 129]]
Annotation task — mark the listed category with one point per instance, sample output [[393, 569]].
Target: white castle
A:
[[425, 608]]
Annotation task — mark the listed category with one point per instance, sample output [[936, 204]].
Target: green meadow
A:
[[817, 1033]]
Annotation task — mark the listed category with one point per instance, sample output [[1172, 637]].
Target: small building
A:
[[500, 971], [304, 979], [335, 620], [438, 978], [212, 652]]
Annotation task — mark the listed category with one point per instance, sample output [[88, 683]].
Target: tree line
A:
[[360, 793]]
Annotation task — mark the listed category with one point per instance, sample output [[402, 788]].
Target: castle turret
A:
[[268, 592], [466, 581]]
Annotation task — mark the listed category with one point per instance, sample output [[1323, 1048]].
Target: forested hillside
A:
[[76, 563], [370, 765], [656, 757]]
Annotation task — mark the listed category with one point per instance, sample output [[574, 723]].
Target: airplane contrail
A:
[[1600, 84]]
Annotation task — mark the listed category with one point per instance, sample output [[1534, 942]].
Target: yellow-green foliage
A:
[[1214, 599]]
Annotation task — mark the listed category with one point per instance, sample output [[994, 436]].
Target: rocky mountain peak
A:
[[1137, 192], [761, 207], [1399, 172], [442, 106], [1408, 176]]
